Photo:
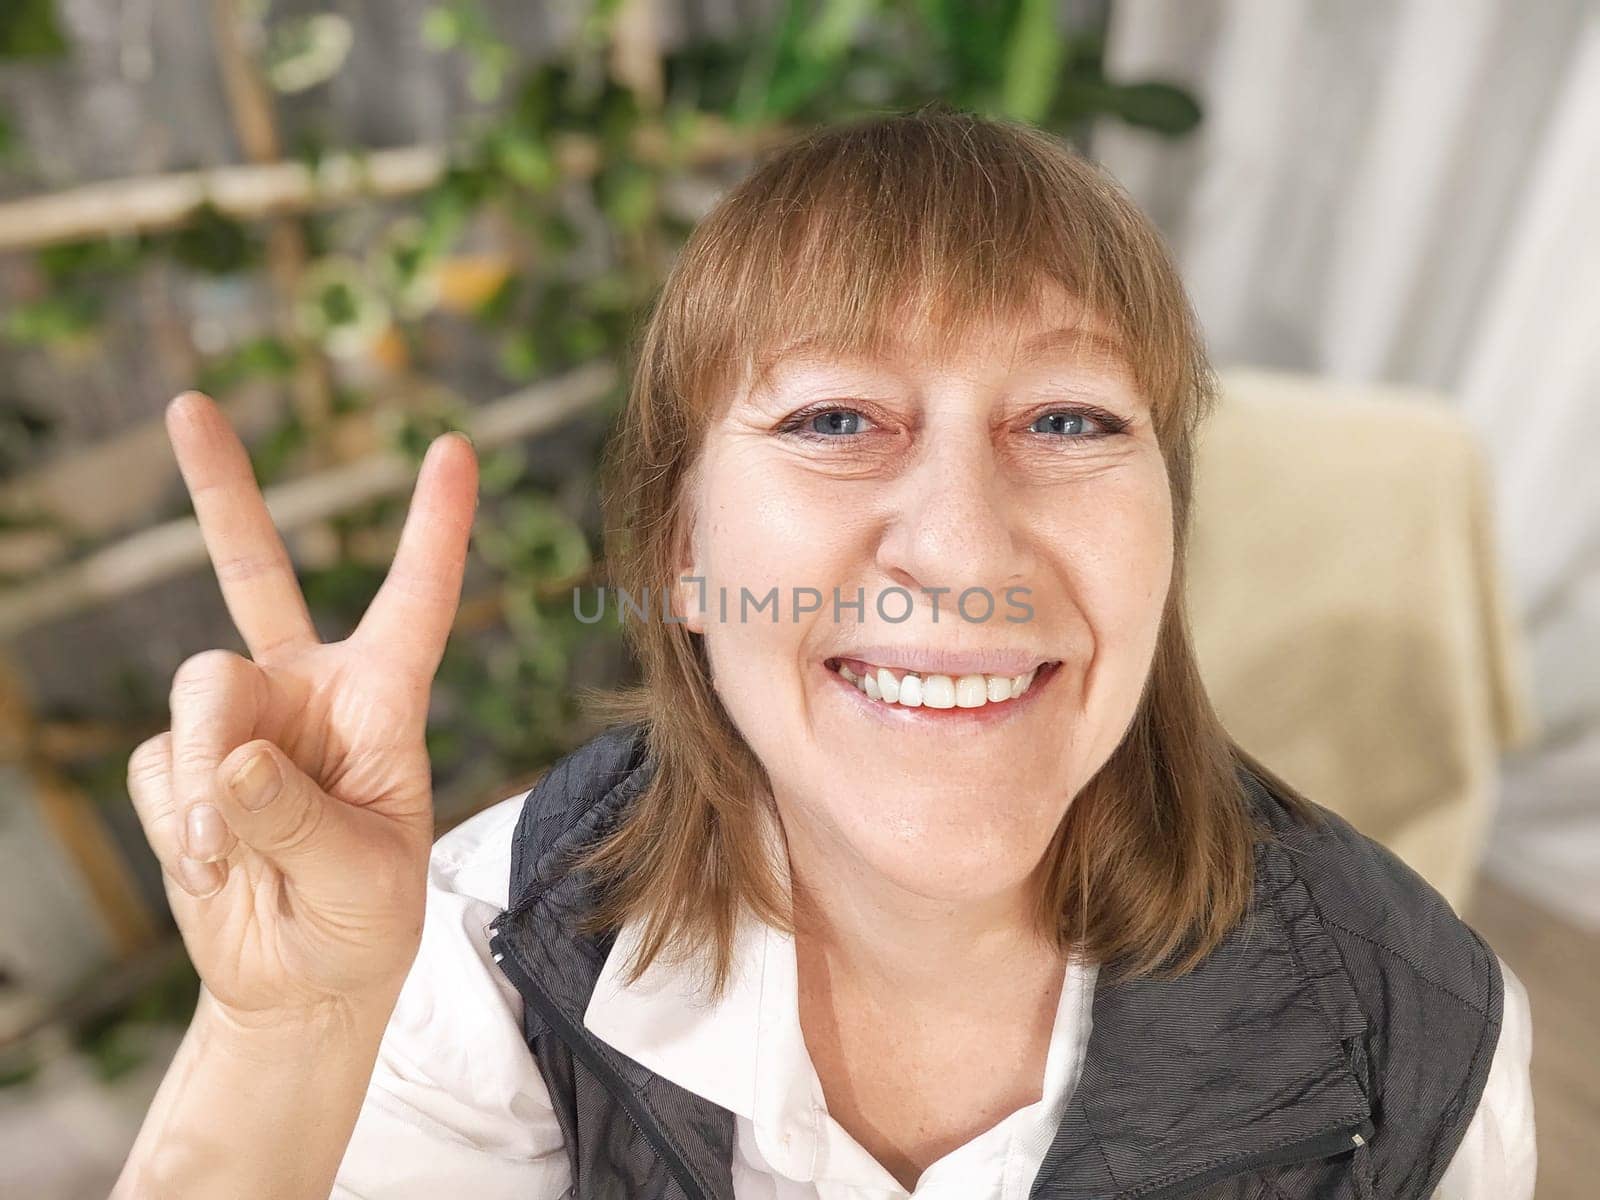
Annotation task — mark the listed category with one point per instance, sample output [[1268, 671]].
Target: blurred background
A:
[[357, 224]]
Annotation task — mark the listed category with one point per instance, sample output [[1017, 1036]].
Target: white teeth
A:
[[911, 691], [971, 692], [937, 691]]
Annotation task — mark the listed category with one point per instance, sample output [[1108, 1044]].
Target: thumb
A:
[[273, 807]]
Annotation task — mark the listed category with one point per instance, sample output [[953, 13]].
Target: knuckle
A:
[[242, 568], [419, 587], [301, 827], [150, 761], [202, 673]]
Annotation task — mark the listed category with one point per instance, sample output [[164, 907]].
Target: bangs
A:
[[865, 238]]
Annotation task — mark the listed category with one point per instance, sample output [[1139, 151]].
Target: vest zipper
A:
[[1323, 1145], [577, 1041]]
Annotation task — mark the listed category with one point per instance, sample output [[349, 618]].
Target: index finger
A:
[[251, 565], [414, 609]]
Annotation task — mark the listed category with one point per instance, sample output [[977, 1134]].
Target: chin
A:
[[939, 855]]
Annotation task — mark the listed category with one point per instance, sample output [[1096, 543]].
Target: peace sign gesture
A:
[[290, 804]]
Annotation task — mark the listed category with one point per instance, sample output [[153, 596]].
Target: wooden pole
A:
[[150, 203], [255, 120], [254, 192]]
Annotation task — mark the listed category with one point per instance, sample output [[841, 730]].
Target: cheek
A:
[[765, 526], [1120, 545], [762, 530], [1109, 543]]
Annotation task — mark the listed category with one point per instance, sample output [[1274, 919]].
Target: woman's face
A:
[[1002, 515]]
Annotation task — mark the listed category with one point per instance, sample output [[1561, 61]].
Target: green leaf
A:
[[214, 243], [796, 63], [501, 470], [28, 29], [627, 195], [16, 1072], [115, 1050], [260, 358], [832, 33], [558, 231], [418, 429], [273, 453], [970, 44], [501, 307], [24, 429], [306, 51], [343, 590], [764, 84], [1034, 54], [52, 320], [1162, 107], [520, 356], [441, 28], [526, 160], [67, 261], [339, 306], [534, 540], [445, 746], [486, 78]]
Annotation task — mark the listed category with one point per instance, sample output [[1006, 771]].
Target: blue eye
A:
[[1066, 422], [826, 423], [836, 422]]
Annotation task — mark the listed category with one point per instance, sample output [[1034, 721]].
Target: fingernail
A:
[[207, 835], [256, 782], [200, 879]]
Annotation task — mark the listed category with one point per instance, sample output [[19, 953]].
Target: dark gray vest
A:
[[1334, 1047]]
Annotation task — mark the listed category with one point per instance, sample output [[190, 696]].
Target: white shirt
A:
[[457, 1105]]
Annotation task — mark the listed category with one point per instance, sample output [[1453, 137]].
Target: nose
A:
[[955, 521]]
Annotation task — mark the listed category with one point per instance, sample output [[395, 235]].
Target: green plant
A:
[[28, 29], [999, 57], [504, 696]]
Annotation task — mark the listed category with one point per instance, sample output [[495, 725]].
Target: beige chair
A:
[[1348, 610]]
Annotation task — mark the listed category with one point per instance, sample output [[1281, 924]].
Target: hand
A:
[[291, 804]]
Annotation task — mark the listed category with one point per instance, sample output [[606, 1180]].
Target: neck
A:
[[885, 939]]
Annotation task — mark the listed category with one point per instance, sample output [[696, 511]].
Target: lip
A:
[[901, 717]]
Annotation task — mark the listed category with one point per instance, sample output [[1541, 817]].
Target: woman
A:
[[918, 864]]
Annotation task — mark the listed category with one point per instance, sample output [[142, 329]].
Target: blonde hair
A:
[[836, 238]]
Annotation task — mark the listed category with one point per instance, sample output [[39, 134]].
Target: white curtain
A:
[[1409, 190]]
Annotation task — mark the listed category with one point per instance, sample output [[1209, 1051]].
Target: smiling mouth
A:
[[912, 689]]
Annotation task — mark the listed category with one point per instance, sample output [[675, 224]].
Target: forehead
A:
[[1060, 329]]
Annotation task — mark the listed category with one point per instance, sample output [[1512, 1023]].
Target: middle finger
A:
[[252, 567]]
